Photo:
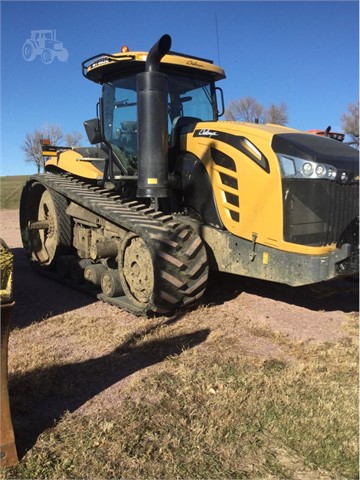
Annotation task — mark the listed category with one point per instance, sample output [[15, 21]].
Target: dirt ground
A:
[[307, 314]]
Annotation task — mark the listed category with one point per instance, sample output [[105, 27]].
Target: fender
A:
[[197, 189]]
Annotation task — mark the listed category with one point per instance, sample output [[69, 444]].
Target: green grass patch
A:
[[10, 191], [197, 415]]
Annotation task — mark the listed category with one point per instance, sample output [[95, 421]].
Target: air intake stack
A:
[[152, 93]]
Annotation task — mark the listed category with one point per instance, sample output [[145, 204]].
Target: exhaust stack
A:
[[152, 112]]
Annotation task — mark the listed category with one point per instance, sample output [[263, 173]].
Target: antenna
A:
[[217, 39]]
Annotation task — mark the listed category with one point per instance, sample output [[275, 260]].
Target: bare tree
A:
[[53, 133], [248, 109], [73, 139], [32, 144], [32, 149], [277, 114], [350, 122], [245, 109]]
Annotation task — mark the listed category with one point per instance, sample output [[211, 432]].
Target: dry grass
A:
[[10, 191], [185, 400]]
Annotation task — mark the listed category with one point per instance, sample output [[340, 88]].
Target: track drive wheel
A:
[[160, 274], [45, 227]]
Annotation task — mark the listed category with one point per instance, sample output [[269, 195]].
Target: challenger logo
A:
[[194, 64], [205, 132], [239, 142]]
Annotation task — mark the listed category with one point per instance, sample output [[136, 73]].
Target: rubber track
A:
[[178, 253], [64, 224]]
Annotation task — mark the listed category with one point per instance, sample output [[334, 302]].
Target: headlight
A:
[[320, 170], [294, 167], [331, 173], [307, 169]]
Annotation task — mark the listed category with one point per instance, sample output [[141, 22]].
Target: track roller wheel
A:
[[110, 283], [93, 273], [45, 227]]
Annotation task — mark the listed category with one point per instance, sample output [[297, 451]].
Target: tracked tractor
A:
[[168, 192]]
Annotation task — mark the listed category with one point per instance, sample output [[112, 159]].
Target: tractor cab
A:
[[191, 96]]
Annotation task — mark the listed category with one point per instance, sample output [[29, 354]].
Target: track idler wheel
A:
[[136, 271], [45, 227]]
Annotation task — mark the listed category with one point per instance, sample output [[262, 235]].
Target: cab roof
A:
[[103, 65]]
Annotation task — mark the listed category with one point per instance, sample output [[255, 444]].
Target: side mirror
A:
[[93, 131], [220, 100]]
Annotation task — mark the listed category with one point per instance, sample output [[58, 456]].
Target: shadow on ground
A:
[[37, 297], [340, 294], [40, 397]]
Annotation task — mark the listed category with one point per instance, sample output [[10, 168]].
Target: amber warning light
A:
[[124, 49]]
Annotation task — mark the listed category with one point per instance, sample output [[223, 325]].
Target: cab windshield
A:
[[193, 97]]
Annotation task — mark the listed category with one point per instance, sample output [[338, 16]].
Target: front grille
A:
[[317, 212]]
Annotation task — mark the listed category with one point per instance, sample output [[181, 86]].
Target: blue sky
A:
[[302, 53]]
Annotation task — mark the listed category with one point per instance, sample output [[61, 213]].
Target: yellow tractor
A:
[[168, 192]]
